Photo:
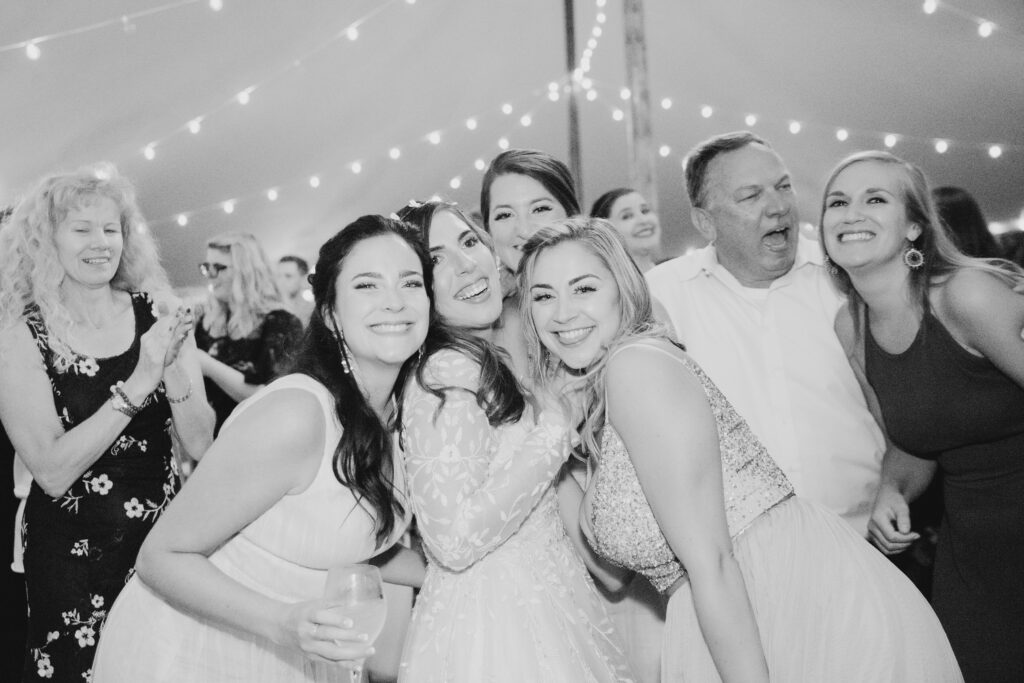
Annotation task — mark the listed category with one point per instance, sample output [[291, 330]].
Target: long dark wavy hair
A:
[[500, 395], [363, 457]]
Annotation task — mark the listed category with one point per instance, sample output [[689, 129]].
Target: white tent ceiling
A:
[[322, 102]]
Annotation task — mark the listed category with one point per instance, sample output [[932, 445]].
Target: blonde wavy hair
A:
[[636, 317], [254, 291], [30, 270]]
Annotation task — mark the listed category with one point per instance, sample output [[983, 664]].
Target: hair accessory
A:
[[394, 216], [179, 399], [913, 257], [413, 204], [343, 352]]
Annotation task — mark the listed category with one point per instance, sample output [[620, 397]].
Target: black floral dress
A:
[[263, 356], [80, 548]]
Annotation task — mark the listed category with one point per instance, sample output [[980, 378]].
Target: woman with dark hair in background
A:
[[524, 190], [962, 216], [94, 379], [303, 477], [245, 335], [630, 214], [937, 337]]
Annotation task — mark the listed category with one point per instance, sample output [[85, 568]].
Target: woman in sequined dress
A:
[[94, 378], [506, 597], [764, 586]]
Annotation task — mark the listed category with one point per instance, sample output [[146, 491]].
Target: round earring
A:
[[913, 257]]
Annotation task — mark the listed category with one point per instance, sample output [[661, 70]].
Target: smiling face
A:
[[89, 242], [636, 222], [865, 218], [574, 303], [381, 306], [750, 214], [519, 206], [467, 291]]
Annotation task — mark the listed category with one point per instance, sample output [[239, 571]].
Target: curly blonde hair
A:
[[30, 270], [254, 291]]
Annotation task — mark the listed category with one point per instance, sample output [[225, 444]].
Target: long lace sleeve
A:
[[470, 491]]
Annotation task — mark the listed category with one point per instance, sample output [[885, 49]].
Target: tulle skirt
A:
[[528, 612], [829, 607]]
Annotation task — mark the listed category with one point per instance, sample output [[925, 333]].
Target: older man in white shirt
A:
[[756, 309]]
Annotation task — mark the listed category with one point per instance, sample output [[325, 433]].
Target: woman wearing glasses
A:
[[245, 336]]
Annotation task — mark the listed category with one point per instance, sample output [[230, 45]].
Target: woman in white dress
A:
[[506, 596], [764, 586], [302, 477]]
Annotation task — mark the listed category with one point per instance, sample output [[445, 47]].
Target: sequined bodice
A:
[[621, 521]]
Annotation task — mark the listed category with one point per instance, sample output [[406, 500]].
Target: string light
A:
[[356, 167], [601, 18], [272, 194], [591, 95], [216, 5], [842, 134], [618, 114], [666, 103], [941, 146], [995, 151], [394, 152], [243, 97], [506, 109], [890, 140], [435, 137], [182, 220], [455, 183], [32, 51], [503, 143], [706, 111], [480, 164], [314, 181], [471, 124], [750, 119], [664, 150], [194, 125], [352, 33], [553, 95], [149, 152], [985, 29], [624, 94], [229, 206], [930, 6], [794, 127], [525, 120]]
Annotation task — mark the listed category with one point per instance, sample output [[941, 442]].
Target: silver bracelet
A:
[[180, 399]]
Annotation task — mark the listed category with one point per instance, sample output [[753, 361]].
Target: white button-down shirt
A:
[[774, 354]]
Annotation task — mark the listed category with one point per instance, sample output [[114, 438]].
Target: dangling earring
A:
[[419, 354], [913, 257], [833, 269], [342, 351]]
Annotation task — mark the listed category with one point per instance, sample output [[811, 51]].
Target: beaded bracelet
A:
[[121, 403], [180, 399]]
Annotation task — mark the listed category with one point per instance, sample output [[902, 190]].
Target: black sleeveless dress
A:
[[80, 548], [942, 403]]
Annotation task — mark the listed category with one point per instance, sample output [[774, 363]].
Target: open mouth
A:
[[646, 231], [570, 337], [473, 291], [860, 236], [97, 260], [776, 239]]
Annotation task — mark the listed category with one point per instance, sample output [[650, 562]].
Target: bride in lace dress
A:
[[506, 595]]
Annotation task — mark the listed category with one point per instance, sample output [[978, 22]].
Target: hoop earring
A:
[[913, 257]]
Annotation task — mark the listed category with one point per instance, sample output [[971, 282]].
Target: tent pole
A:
[[574, 120], [638, 125]]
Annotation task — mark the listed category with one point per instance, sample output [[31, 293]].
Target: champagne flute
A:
[[360, 590]]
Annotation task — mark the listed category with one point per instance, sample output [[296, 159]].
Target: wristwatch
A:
[[120, 402]]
